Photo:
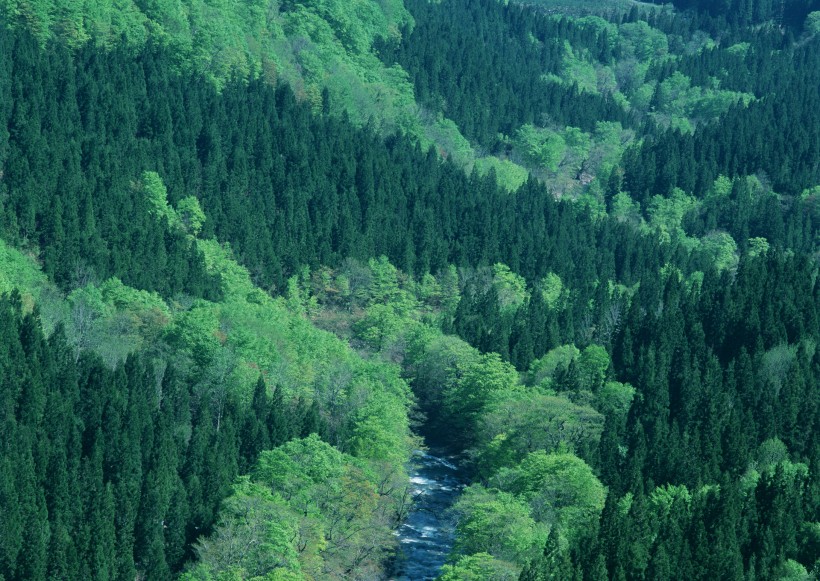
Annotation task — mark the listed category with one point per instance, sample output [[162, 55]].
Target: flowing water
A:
[[426, 536]]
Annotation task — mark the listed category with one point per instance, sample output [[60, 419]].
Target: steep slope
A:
[[315, 45], [162, 405], [633, 378]]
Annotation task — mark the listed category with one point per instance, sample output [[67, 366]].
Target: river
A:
[[426, 536]]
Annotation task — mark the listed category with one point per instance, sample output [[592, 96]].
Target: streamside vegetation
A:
[[246, 269]]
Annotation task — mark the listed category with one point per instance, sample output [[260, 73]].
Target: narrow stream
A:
[[426, 536]]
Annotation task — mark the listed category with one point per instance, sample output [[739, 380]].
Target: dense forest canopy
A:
[[252, 255]]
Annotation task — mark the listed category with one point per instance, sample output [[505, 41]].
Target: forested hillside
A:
[[254, 254]]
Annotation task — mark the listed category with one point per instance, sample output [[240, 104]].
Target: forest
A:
[[254, 256]]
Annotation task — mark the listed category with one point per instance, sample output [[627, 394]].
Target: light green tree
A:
[[344, 523], [479, 567], [593, 364], [721, 188], [511, 288], [480, 383], [813, 22], [541, 147], [758, 246], [625, 209], [666, 214], [497, 523], [524, 422], [722, 249], [560, 488], [254, 536], [191, 214], [157, 197], [542, 370], [552, 290], [614, 399]]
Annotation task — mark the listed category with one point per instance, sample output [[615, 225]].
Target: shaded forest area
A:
[[284, 187]]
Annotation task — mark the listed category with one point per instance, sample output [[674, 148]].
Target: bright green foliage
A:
[[18, 271], [113, 319], [511, 288], [758, 246], [341, 515], [450, 292], [593, 364], [642, 97], [676, 101], [307, 508], [109, 473], [614, 399], [429, 290], [642, 41], [381, 429], [355, 24], [721, 188], [579, 70], [235, 280], [722, 249], [479, 567], [313, 45], [625, 209], [498, 523], [450, 142], [254, 536], [487, 380], [572, 157], [198, 331], [637, 43], [525, 422], [298, 298], [813, 22], [671, 94], [791, 570], [328, 43], [384, 287], [157, 196], [543, 370], [561, 489], [771, 453], [739, 48], [156, 481], [380, 327], [541, 147], [666, 214], [600, 25], [552, 290], [261, 333], [670, 501], [510, 176], [439, 364], [191, 215], [228, 344], [293, 468], [593, 204], [606, 147]]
